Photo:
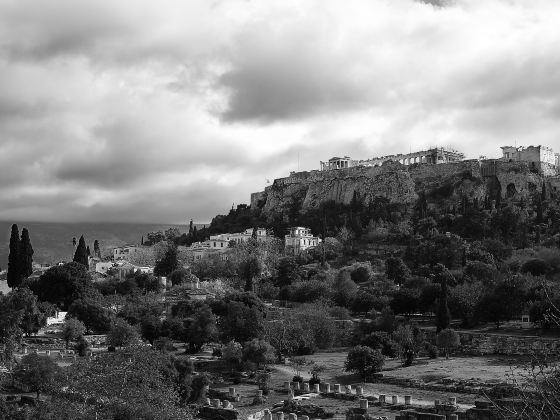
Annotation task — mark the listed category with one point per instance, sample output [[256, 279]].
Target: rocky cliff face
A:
[[442, 185]]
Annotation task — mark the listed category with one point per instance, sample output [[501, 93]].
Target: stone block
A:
[[364, 404], [395, 399], [407, 399], [316, 388]]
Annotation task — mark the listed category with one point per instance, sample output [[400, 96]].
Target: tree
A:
[[503, 302], [72, 330], [396, 270], [122, 334], [241, 322], [81, 256], [96, 248], [289, 271], [82, 346], [150, 327], [201, 328], [465, 299], [26, 254], [63, 284], [448, 339], [405, 301], [259, 352], [410, 340], [179, 276], [139, 383], [37, 372], [344, 289], [168, 263], [14, 275], [364, 360], [233, 354], [10, 329], [298, 363], [32, 319], [249, 269], [363, 302], [443, 317], [95, 317]]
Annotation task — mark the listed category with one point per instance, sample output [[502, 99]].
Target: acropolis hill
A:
[[520, 173]]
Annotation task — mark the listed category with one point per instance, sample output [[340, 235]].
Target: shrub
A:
[[448, 339], [364, 360], [432, 351]]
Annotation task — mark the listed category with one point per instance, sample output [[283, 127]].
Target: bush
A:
[[536, 267], [314, 381], [432, 351], [297, 378], [364, 360], [448, 339]]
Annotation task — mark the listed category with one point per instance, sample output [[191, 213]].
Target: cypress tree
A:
[[14, 261], [96, 249], [81, 253], [195, 235], [26, 254], [88, 252]]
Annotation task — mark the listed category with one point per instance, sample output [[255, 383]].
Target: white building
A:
[[123, 252], [262, 235], [103, 267], [299, 239]]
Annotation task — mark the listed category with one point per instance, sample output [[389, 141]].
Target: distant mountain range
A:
[[52, 242]]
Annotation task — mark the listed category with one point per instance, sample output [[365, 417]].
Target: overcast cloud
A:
[[165, 111]]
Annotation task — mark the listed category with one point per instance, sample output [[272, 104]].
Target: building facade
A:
[[299, 239], [123, 252], [535, 154]]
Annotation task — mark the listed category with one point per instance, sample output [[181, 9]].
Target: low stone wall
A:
[[480, 344]]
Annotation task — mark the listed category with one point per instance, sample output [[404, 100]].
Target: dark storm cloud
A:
[[289, 88], [165, 111]]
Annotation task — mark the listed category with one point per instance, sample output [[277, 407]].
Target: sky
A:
[[135, 111]]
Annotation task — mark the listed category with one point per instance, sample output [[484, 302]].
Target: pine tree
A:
[[443, 317], [26, 254], [14, 261], [81, 253]]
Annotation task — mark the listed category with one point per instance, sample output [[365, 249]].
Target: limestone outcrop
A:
[[443, 185]]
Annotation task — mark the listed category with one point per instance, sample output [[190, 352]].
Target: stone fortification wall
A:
[[443, 185]]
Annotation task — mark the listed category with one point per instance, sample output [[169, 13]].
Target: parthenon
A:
[[432, 156]]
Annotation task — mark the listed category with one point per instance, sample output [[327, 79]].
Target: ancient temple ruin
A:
[[433, 156]]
